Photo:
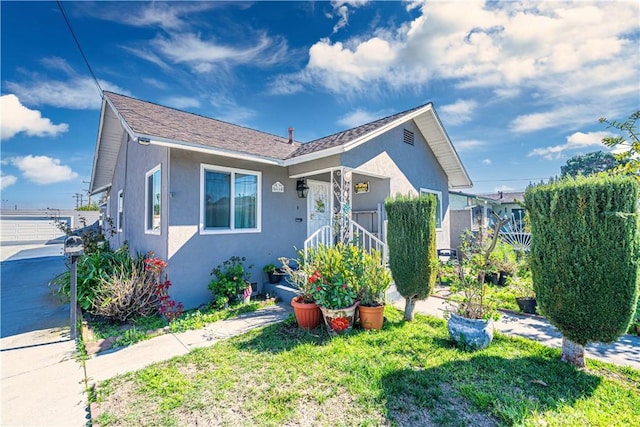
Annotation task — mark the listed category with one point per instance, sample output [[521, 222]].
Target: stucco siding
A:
[[408, 167], [193, 255], [310, 167], [140, 159]]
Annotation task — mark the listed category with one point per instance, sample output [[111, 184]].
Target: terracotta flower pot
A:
[[371, 317], [339, 321], [308, 315]]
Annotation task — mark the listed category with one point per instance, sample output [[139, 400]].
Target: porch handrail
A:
[[323, 235], [360, 236]]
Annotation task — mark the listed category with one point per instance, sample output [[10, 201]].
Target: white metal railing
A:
[[323, 235], [359, 236], [363, 238]]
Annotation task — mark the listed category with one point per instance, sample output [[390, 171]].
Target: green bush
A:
[[585, 254], [411, 236], [92, 269], [231, 280]]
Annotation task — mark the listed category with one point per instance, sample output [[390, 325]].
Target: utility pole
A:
[[79, 200]]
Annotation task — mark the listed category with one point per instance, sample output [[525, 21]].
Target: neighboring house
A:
[[470, 211], [197, 191]]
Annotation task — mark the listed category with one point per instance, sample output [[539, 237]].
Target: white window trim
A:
[[439, 196], [108, 209], [213, 168], [147, 230], [120, 210]]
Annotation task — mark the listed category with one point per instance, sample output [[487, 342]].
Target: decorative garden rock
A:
[[474, 333]]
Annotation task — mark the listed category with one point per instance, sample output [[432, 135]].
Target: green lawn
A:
[[407, 374]]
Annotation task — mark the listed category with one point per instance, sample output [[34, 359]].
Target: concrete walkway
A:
[[625, 351], [107, 364]]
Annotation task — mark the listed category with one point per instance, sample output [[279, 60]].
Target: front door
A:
[[319, 205]]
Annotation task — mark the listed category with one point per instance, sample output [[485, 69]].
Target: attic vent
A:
[[408, 137]]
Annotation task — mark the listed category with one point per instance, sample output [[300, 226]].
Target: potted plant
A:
[[231, 282], [376, 281], [522, 285], [337, 301], [505, 260], [305, 309], [273, 273], [470, 322]]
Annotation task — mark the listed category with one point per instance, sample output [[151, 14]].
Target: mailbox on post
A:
[[73, 248]]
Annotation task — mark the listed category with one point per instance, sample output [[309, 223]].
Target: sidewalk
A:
[[625, 351], [118, 361]]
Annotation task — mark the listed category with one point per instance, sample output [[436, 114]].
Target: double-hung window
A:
[[438, 205], [153, 200], [230, 200]]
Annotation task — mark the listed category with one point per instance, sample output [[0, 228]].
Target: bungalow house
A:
[[197, 191]]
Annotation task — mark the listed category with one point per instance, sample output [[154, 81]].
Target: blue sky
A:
[[518, 86]]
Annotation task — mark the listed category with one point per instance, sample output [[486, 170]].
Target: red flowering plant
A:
[[334, 293], [167, 306]]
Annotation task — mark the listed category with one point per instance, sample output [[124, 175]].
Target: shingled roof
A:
[[153, 120], [348, 135], [157, 124]]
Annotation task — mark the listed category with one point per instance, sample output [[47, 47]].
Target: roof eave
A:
[[189, 146], [97, 149]]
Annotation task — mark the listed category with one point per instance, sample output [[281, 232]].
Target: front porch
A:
[[347, 206]]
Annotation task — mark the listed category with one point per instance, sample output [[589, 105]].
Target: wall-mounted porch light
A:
[[302, 188]]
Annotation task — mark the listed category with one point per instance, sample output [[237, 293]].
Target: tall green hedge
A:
[[411, 236], [585, 251]]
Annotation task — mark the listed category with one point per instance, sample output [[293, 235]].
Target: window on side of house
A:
[[153, 200], [230, 200], [438, 205], [120, 217]]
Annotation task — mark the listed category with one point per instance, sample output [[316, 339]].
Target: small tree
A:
[[585, 250], [411, 232], [590, 163], [629, 158]]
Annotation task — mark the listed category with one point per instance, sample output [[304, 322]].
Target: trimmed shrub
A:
[[411, 236], [585, 251]]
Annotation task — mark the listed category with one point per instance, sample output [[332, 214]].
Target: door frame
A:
[[310, 202]]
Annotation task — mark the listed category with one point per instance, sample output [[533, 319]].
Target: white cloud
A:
[[459, 112], [341, 8], [166, 15], [17, 118], [79, 93], [229, 111], [181, 102], [357, 118], [486, 162], [7, 180], [560, 52], [204, 55], [468, 145], [575, 141], [43, 169]]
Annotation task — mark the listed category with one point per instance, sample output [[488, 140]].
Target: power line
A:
[[66, 19], [510, 179]]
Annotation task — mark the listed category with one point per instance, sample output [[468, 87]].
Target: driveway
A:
[[27, 304], [41, 382]]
